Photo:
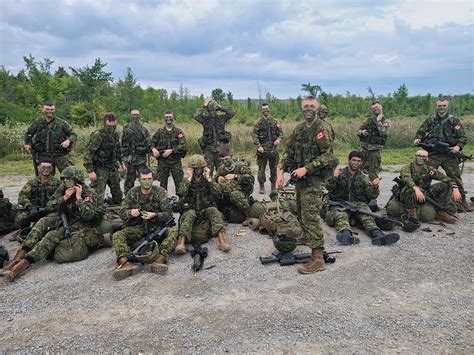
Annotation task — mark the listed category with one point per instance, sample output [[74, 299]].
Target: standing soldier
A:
[[445, 128], [103, 155], [214, 134], [267, 136], [135, 148], [322, 114], [307, 158], [169, 147], [50, 138], [373, 136]]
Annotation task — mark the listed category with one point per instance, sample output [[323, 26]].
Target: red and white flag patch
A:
[[432, 171], [180, 135], [88, 198], [320, 135], [458, 126]]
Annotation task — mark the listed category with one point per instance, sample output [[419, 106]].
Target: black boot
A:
[[380, 238], [345, 237]]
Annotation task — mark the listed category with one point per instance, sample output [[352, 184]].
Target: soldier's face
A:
[[442, 107], [355, 163], [322, 114], [421, 158], [309, 108], [376, 108], [265, 110], [111, 123], [45, 169], [168, 118], [146, 181], [48, 111]]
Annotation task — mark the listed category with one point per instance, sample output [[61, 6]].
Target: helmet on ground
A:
[[197, 161], [284, 243], [410, 224], [385, 224], [72, 172], [147, 253]]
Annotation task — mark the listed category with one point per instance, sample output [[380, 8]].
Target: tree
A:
[[400, 97], [311, 89], [218, 95], [40, 77], [128, 92]]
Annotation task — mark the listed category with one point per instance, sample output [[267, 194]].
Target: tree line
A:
[[82, 96]]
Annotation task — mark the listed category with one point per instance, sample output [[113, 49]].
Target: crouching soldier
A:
[[76, 201], [145, 208], [352, 186], [196, 194], [414, 186]]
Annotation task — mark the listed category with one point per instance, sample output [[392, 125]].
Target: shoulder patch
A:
[[458, 126], [88, 198], [432, 172], [320, 135], [180, 135]]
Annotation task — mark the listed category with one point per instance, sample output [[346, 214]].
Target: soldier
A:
[[83, 211], [351, 185], [197, 203], [103, 155], [144, 208], [35, 195], [322, 113], [267, 136], [7, 215], [50, 138], [135, 148], [373, 135], [169, 147], [410, 199], [214, 134], [447, 128], [307, 158]]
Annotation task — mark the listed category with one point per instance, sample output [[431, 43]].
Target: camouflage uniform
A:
[[137, 228], [356, 189], [35, 193], [310, 148], [7, 215], [405, 198], [450, 130], [197, 204], [174, 139], [265, 132], [214, 134], [103, 154], [372, 144], [45, 139], [135, 149]]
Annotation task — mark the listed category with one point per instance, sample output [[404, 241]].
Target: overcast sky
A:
[[230, 44]]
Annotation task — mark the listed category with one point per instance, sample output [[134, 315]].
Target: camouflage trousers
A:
[[40, 229], [132, 174], [212, 160], [372, 162], [61, 162], [110, 177], [235, 197], [340, 219], [451, 167], [272, 158], [131, 237], [164, 170], [310, 202], [22, 219], [190, 217]]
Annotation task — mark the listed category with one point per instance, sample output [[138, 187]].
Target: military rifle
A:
[[351, 207], [65, 223], [444, 148], [285, 259], [198, 254]]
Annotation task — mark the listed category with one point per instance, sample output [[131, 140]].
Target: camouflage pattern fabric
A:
[[7, 215], [189, 218], [338, 218], [373, 143]]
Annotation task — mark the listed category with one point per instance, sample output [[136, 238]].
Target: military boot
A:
[[412, 212], [223, 244], [261, 188], [16, 270], [345, 237], [379, 238], [20, 255], [180, 248], [159, 265], [446, 217], [466, 207], [315, 264], [124, 268]]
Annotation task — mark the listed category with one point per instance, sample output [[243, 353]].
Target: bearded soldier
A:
[[267, 136], [103, 156], [50, 138], [169, 147], [214, 134]]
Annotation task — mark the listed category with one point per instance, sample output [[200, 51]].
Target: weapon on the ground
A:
[[428, 199], [65, 223], [198, 254], [285, 259], [444, 148], [350, 207]]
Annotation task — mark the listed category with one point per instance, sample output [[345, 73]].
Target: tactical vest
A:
[[106, 156], [375, 136], [423, 178], [139, 144], [238, 167], [352, 189], [267, 131], [41, 193], [305, 147], [49, 136], [168, 140], [199, 196], [441, 130], [214, 131]]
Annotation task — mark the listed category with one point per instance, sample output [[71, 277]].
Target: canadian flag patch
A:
[[88, 198], [320, 135], [180, 135], [458, 126], [432, 171]]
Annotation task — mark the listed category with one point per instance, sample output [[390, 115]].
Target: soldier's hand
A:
[[300, 172], [207, 173], [134, 212], [280, 181], [189, 174], [230, 176], [122, 167], [337, 172], [27, 148], [69, 192], [155, 152], [277, 142], [455, 149], [167, 153], [419, 195], [417, 141], [375, 182], [78, 192], [363, 132], [220, 179], [66, 144], [92, 176], [456, 195], [148, 215], [207, 101], [260, 149]]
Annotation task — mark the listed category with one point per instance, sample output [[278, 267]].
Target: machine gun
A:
[[198, 254], [444, 148], [65, 223], [350, 207]]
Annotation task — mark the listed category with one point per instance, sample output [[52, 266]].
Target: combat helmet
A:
[[72, 172], [410, 224], [147, 253], [323, 108], [197, 161], [284, 244], [385, 224], [212, 106]]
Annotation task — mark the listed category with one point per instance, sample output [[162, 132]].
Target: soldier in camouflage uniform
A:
[[7, 215], [410, 199], [50, 138], [307, 157], [196, 194], [135, 148], [103, 158], [35, 194], [322, 114], [144, 208], [351, 185], [214, 134], [447, 128], [169, 147], [83, 211], [267, 136], [373, 136]]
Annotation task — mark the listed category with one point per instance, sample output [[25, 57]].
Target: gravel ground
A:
[[414, 296]]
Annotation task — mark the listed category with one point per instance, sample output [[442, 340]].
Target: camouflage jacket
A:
[[156, 201], [347, 187], [310, 148], [46, 137], [265, 132], [448, 129], [135, 144], [422, 178], [103, 150], [174, 139], [243, 180], [213, 131], [88, 210], [198, 195], [36, 193], [377, 133]]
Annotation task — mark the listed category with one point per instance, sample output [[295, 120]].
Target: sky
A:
[[241, 46]]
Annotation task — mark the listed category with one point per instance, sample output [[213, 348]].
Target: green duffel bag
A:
[[201, 232], [66, 254]]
